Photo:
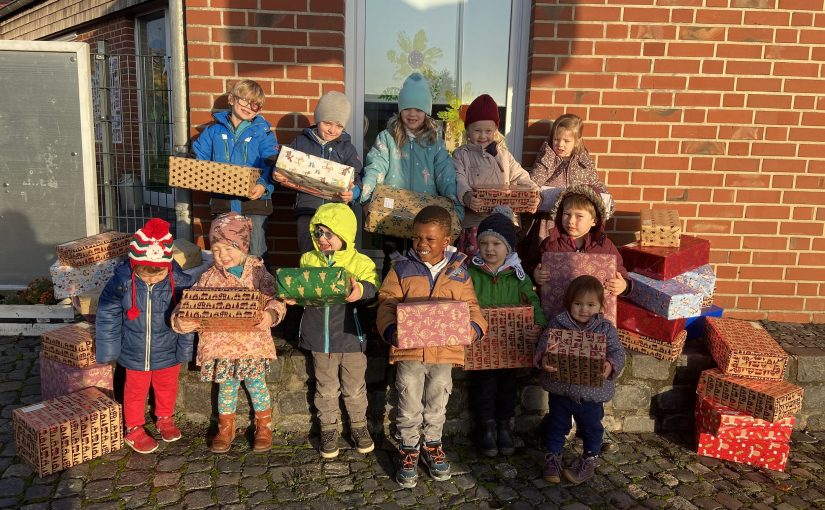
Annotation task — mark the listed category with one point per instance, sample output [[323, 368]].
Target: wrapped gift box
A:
[[753, 452], [701, 279], [728, 423], [636, 319], [660, 227], [71, 345], [767, 400], [223, 309], [566, 267], [391, 211], [659, 349], [668, 298], [311, 174], [57, 379], [579, 356], [86, 304], [89, 250], [504, 345], [433, 323], [66, 431], [662, 263], [71, 281], [519, 199], [210, 176], [314, 286], [186, 254], [745, 349], [695, 326]]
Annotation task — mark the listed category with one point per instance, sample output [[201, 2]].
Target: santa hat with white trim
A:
[[150, 246]]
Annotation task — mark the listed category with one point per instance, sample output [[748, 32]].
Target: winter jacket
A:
[[615, 356], [551, 171], [337, 328], [130, 342], [340, 150], [423, 168], [476, 167], [255, 343], [252, 146], [509, 286], [410, 280]]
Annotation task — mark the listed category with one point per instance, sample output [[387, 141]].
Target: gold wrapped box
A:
[[214, 177]]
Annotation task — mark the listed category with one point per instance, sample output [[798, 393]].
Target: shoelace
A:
[[327, 436], [360, 433], [410, 460], [436, 453]]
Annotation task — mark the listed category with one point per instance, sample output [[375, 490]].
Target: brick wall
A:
[[294, 49], [710, 107]]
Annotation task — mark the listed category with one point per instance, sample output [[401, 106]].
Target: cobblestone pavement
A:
[[646, 471]]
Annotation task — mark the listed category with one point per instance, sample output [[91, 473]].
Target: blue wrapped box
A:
[[695, 326], [667, 298], [702, 279]]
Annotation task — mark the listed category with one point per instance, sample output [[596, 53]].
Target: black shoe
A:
[[487, 443], [506, 446]]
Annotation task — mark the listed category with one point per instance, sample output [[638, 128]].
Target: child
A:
[[483, 161], [334, 333], [584, 302], [433, 270], [228, 358], [499, 280], [132, 327], [243, 137]]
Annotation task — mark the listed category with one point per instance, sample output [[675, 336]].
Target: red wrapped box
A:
[[745, 349], [57, 379], [579, 356], [433, 323], [661, 263], [96, 248], [566, 267], [504, 345], [634, 318], [71, 345], [753, 452], [659, 349], [223, 309], [767, 400], [519, 199], [728, 423]]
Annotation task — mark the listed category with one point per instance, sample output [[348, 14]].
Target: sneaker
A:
[[582, 470], [329, 444], [487, 443], [552, 468], [609, 442], [140, 441], [361, 437], [407, 474], [436, 461], [168, 431]]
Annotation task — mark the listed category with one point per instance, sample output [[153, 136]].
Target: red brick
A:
[[642, 14], [771, 17], [260, 70], [694, 131], [698, 99], [755, 227], [283, 5], [730, 116], [226, 69], [747, 67], [760, 273], [313, 22], [689, 49], [720, 211], [287, 104], [764, 212], [200, 34], [702, 147], [750, 34], [710, 226], [621, 162], [297, 88], [628, 65], [333, 73], [653, 194], [590, 81], [732, 50], [700, 33], [551, 47], [796, 69], [284, 37], [758, 84], [678, 66], [653, 49], [802, 85], [653, 81], [327, 6], [800, 228], [769, 101], [246, 53], [233, 4], [203, 17], [683, 15], [211, 85], [786, 52], [313, 56], [235, 18], [803, 213], [597, 13], [696, 178], [773, 288]]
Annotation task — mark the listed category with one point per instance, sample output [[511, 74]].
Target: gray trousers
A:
[[423, 391], [336, 374], [257, 239]]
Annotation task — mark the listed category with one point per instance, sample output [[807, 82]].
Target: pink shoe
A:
[[168, 431], [140, 441]]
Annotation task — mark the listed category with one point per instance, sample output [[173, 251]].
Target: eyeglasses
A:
[[252, 105], [326, 234]]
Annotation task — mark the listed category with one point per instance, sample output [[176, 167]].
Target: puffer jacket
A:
[[615, 356], [148, 342], [410, 280], [508, 286], [551, 171], [337, 328]]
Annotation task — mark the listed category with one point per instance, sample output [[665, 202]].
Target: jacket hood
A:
[[568, 322], [451, 253], [309, 132], [222, 117], [593, 196], [340, 219], [511, 262]]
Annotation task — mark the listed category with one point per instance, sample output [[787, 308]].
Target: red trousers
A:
[[164, 382]]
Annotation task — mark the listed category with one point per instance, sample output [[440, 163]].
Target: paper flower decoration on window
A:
[[414, 55]]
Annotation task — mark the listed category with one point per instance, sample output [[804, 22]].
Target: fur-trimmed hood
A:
[[593, 196]]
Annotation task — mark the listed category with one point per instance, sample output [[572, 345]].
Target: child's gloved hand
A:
[[256, 192], [546, 365], [616, 286], [608, 369], [540, 275], [356, 293]]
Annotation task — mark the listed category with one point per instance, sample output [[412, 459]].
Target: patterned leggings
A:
[[228, 394]]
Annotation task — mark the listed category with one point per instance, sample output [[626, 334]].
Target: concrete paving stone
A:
[[131, 478], [193, 481], [287, 494], [35, 506], [505, 493], [99, 489], [228, 465], [68, 487], [786, 506], [78, 471], [254, 484], [228, 494], [17, 471], [197, 499], [260, 498], [636, 492], [312, 489], [104, 505], [139, 461], [166, 479], [729, 501], [619, 499], [37, 492], [281, 474], [104, 470], [576, 506], [224, 479], [341, 485], [707, 503], [170, 464], [654, 503], [135, 499], [75, 503], [335, 469], [250, 470]]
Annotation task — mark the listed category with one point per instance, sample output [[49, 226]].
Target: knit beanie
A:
[[231, 229], [483, 107], [499, 224], [150, 246], [415, 93], [333, 107]]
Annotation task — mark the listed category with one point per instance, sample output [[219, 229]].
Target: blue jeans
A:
[[588, 416], [257, 241]]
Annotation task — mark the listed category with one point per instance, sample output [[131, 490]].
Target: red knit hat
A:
[[483, 107], [150, 246]]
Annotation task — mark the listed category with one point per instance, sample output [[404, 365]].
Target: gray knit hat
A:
[[333, 107]]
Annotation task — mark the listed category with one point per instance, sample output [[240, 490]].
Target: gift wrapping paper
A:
[[96, 248], [636, 319], [660, 227], [223, 309], [701, 279], [57, 379], [695, 326], [311, 174], [210, 176], [566, 267], [70, 281], [424, 324], [186, 254], [662, 263], [519, 199], [742, 348], [504, 345], [314, 286], [664, 350], [66, 431], [579, 356], [71, 345], [391, 211], [767, 400], [668, 298], [753, 452], [728, 423]]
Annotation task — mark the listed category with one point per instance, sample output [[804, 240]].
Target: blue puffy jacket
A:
[[146, 343]]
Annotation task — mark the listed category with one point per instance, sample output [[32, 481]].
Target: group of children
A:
[[138, 324]]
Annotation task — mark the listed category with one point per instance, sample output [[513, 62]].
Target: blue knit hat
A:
[[415, 93]]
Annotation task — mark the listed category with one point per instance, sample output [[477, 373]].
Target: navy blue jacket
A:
[[129, 342]]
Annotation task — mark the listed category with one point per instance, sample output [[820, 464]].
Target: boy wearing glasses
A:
[[334, 333], [241, 136]]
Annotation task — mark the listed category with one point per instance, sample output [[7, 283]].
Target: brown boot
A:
[[226, 433], [263, 431]]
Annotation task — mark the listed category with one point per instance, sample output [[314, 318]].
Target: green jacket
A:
[[509, 286]]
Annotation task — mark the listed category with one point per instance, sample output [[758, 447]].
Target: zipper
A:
[[326, 328], [357, 325], [225, 146], [148, 324]]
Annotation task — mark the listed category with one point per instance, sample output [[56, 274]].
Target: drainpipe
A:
[[180, 117]]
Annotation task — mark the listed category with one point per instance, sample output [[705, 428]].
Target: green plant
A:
[[454, 126], [40, 291]]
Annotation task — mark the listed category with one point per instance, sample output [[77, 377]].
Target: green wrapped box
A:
[[314, 286]]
